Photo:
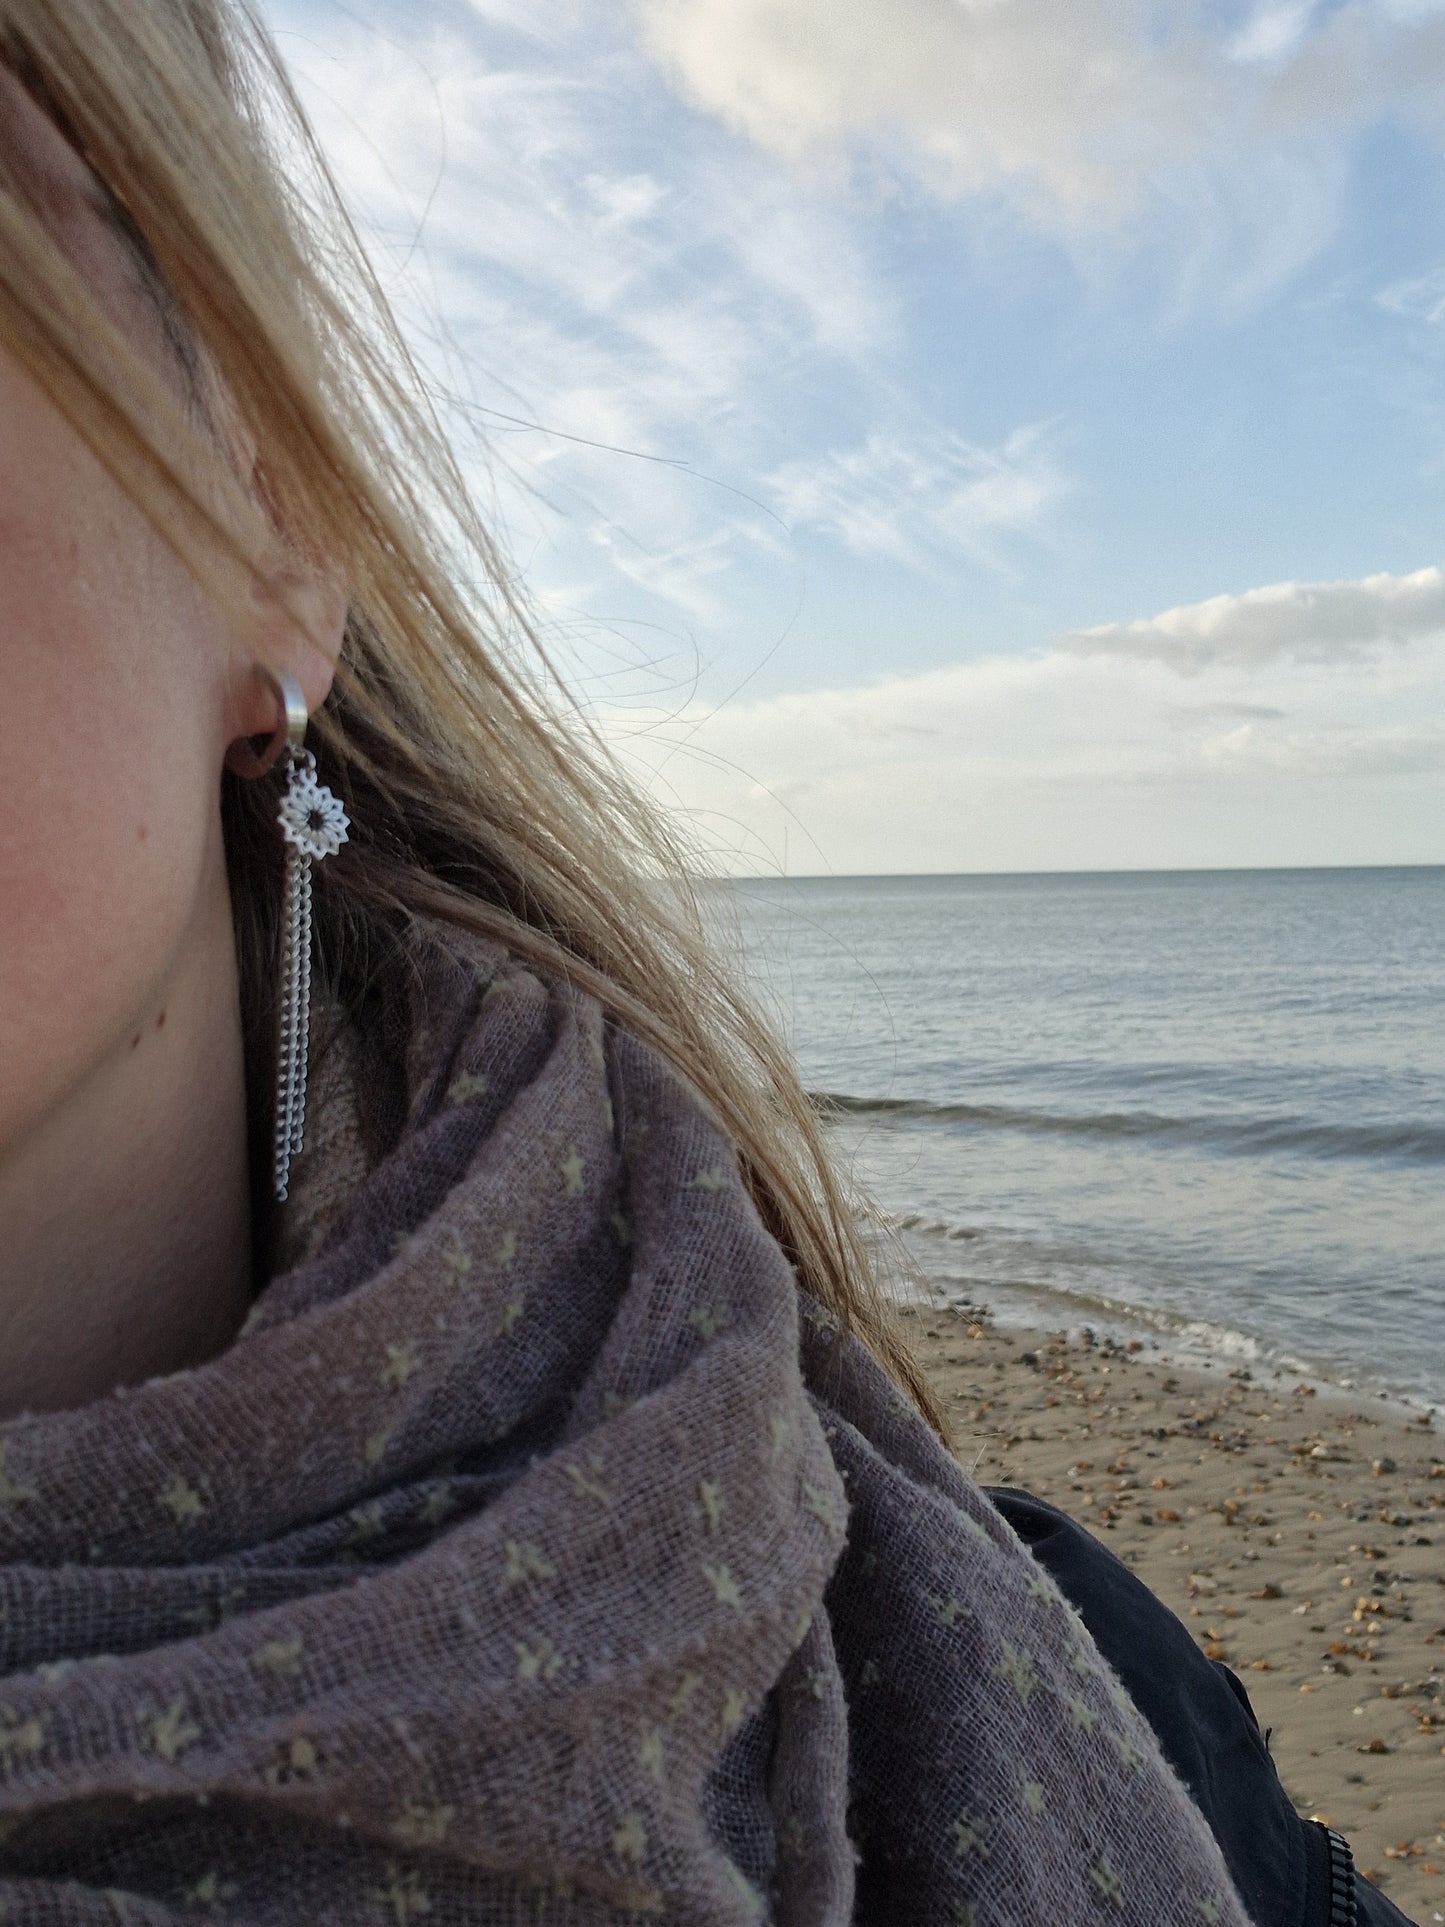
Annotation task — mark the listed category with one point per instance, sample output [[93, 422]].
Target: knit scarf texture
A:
[[540, 1553]]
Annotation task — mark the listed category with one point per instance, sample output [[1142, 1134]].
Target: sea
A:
[[1203, 1107]]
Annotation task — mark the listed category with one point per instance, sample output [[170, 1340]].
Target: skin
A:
[[125, 1234]]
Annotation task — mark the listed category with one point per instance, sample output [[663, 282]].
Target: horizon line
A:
[[1150, 870]]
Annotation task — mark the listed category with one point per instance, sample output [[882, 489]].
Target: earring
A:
[[313, 826]]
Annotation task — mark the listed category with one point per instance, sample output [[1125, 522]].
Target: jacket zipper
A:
[[1344, 1911]]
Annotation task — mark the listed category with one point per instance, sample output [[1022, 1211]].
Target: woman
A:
[[521, 1509]]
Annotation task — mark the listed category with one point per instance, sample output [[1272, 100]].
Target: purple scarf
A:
[[539, 1554]]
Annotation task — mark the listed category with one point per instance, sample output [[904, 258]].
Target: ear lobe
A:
[[302, 633], [304, 606], [313, 628]]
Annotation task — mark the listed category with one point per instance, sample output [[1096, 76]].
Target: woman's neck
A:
[[125, 1235]]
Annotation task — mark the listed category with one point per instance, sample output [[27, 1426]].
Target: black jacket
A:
[[1289, 1871]]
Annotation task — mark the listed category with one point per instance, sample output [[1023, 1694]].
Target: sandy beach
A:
[[1297, 1530]]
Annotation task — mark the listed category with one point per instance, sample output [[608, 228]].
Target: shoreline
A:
[[1194, 1344], [1295, 1526]]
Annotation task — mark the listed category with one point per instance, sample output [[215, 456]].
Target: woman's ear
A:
[[303, 607], [303, 628]]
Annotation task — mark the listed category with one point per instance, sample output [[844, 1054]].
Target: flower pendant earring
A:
[[313, 826]]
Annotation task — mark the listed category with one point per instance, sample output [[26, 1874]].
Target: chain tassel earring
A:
[[313, 827]]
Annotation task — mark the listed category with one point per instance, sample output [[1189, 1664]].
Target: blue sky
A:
[[946, 434]]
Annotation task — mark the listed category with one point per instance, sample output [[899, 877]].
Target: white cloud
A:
[[1062, 759], [1297, 621], [1230, 712], [1394, 750], [1272, 31], [1071, 100], [1082, 115], [896, 497], [1421, 298]]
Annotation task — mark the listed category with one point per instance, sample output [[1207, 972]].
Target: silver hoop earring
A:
[[313, 826]]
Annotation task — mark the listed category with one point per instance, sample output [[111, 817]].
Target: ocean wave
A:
[[1410, 1142], [1189, 1339]]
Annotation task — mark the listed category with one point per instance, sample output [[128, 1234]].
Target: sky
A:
[[944, 435]]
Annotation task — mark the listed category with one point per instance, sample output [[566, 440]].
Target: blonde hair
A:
[[474, 796]]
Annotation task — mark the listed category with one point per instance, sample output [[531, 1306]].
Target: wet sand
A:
[[1298, 1531]]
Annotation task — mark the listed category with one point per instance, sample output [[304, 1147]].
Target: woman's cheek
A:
[[108, 805]]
